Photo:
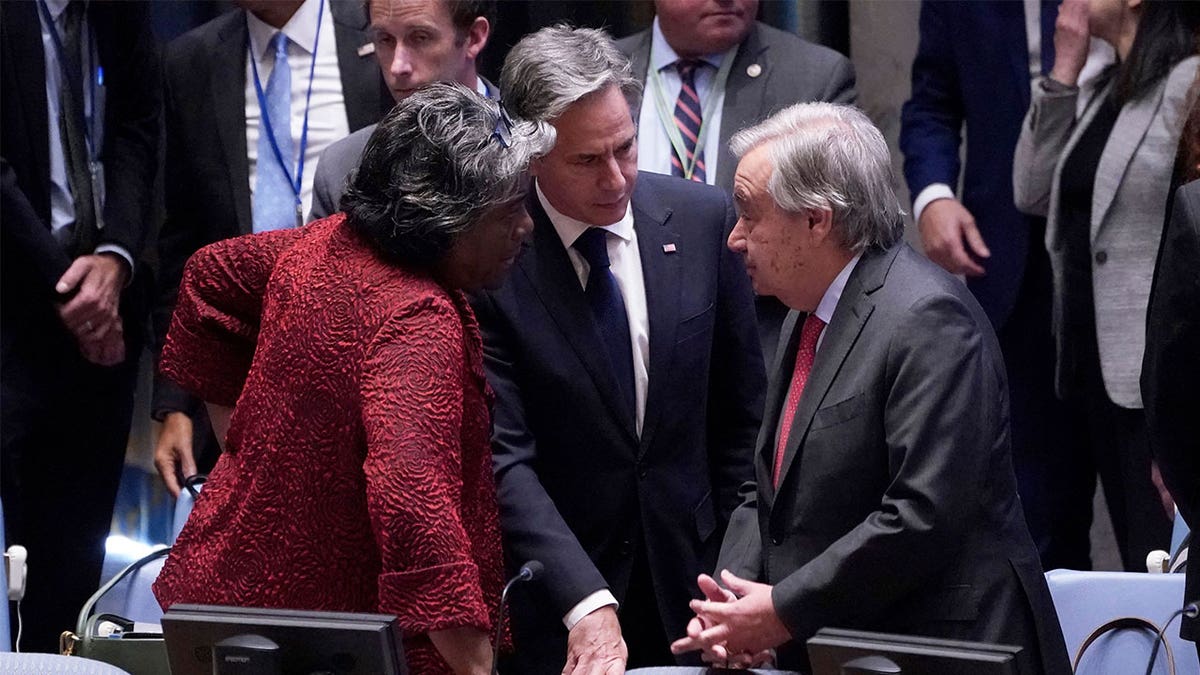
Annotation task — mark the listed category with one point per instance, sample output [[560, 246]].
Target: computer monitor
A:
[[328, 643], [834, 651]]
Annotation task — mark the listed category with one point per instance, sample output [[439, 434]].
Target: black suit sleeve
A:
[[133, 114], [182, 233], [533, 527], [1171, 365], [23, 232], [943, 417], [931, 120], [737, 380]]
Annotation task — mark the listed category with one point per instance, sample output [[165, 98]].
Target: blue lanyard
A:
[[262, 109], [73, 78]]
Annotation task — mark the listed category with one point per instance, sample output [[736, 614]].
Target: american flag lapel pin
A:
[[669, 248], [367, 49]]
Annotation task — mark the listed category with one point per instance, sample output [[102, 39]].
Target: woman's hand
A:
[[467, 650], [1071, 41]]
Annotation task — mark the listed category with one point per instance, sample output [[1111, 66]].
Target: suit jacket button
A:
[[778, 541], [627, 548], [1101, 257]]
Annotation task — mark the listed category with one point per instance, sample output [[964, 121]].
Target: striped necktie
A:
[[688, 118]]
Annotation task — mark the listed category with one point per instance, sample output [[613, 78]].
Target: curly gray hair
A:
[[829, 156], [549, 70], [438, 161]]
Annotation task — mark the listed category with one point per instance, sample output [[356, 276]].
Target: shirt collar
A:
[[569, 229], [301, 29], [663, 56], [481, 87], [57, 7], [833, 294]]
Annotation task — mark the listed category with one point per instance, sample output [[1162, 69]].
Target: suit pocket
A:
[[695, 324], [705, 517], [839, 412]]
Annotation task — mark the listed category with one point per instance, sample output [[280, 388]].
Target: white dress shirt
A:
[[625, 263], [327, 120], [654, 146], [62, 204]]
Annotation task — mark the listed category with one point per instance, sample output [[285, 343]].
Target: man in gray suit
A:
[[416, 42], [885, 495], [737, 72]]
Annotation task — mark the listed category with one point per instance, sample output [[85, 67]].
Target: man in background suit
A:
[[1171, 368], [768, 70], [885, 496], [79, 141], [215, 158], [980, 233], [416, 42], [627, 374]]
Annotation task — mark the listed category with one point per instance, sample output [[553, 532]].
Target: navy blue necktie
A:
[[608, 308]]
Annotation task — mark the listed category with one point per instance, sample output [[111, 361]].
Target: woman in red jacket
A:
[[357, 469]]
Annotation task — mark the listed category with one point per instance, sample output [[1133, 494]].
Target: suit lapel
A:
[[663, 282], [227, 83], [366, 97], [851, 315], [1131, 126], [745, 98], [777, 387], [553, 278]]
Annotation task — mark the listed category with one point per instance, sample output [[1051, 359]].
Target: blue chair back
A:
[[1178, 532], [5, 646], [54, 663], [1087, 600]]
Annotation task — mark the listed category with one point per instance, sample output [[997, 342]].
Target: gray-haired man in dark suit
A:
[[885, 496]]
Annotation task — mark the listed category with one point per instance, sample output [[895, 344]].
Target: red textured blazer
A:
[[357, 474]]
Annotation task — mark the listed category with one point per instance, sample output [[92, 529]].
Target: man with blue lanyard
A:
[[416, 42], [79, 135], [252, 99], [710, 69]]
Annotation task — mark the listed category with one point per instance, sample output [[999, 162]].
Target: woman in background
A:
[[357, 468], [1102, 182]]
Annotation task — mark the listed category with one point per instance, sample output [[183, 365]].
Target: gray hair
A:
[[551, 69], [438, 161], [828, 156]]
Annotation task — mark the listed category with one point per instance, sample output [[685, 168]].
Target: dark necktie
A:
[[80, 237], [806, 352], [688, 119], [608, 308]]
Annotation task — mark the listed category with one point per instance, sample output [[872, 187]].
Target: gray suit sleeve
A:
[[327, 190], [1045, 131]]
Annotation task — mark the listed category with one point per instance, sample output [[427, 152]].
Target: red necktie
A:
[[805, 354]]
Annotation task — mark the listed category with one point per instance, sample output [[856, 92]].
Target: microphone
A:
[[530, 571]]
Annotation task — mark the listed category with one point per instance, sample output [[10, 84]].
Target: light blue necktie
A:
[[274, 197]]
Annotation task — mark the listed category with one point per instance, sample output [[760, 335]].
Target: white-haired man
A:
[[885, 494]]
